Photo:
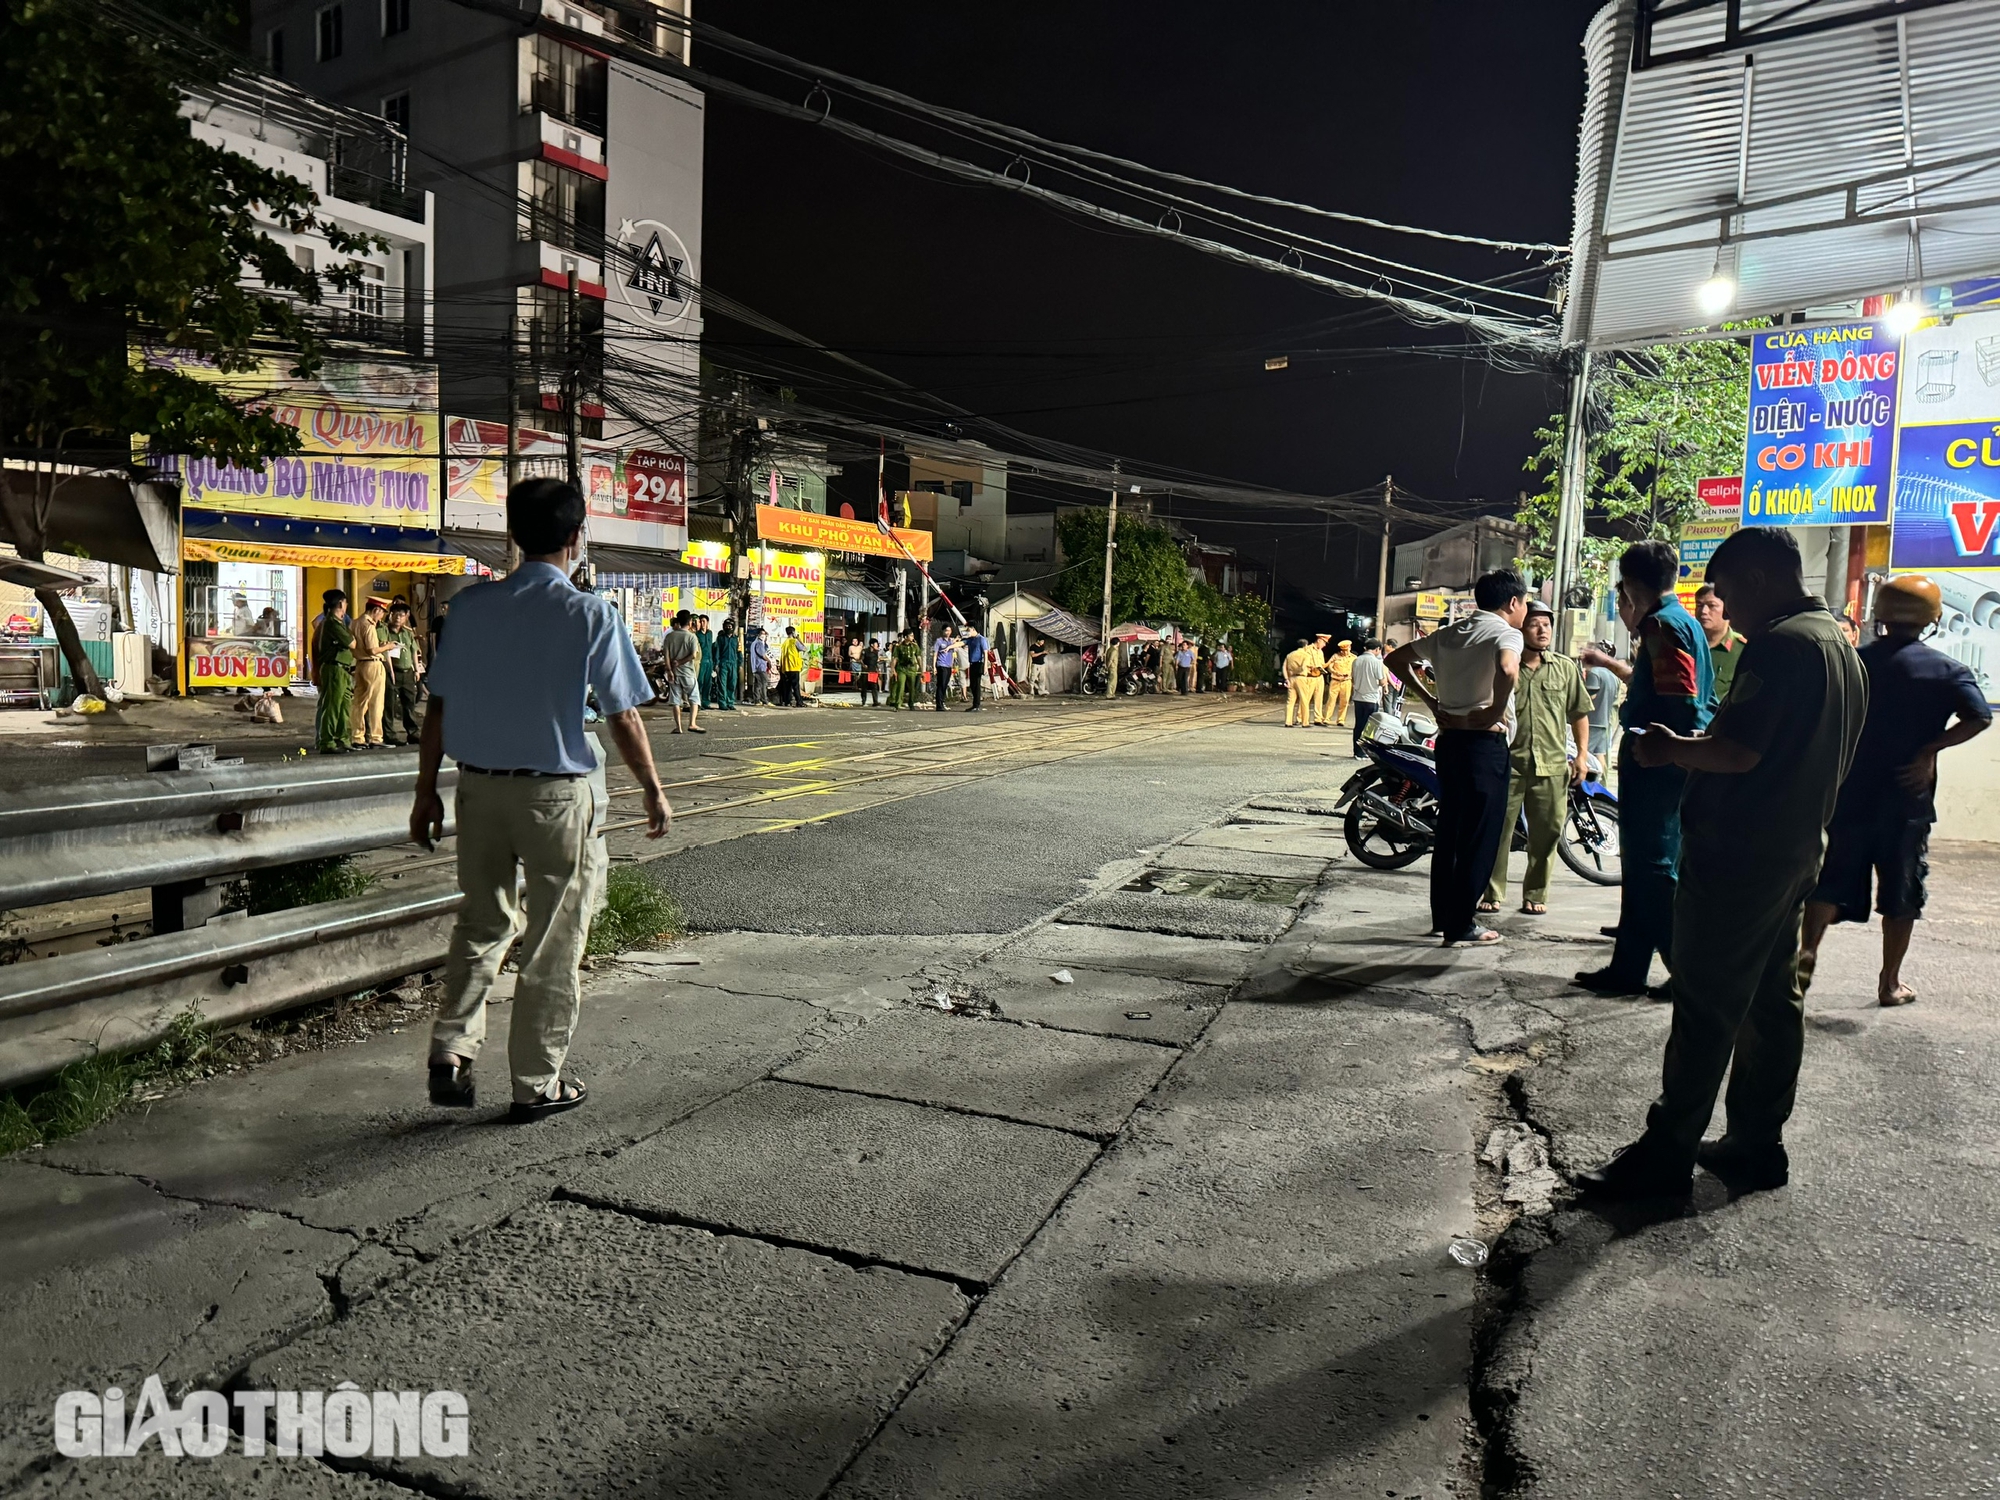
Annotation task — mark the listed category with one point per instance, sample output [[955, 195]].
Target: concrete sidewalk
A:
[[1178, 1227]]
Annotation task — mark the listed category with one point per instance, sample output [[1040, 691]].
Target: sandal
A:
[[568, 1096], [1488, 906], [696, 729], [1479, 937], [451, 1083], [1534, 909]]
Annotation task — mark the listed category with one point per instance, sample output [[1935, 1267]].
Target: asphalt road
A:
[[1179, 1227]]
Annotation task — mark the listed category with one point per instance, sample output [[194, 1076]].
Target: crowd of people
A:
[[369, 672], [1770, 778]]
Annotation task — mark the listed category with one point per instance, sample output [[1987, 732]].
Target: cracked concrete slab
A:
[[1249, 1295], [228, 1476], [1197, 960], [1189, 916], [605, 1356], [877, 1179], [1142, 1006], [1311, 840], [1833, 1338], [1030, 1073], [104, 1281], [1240, 862], [348, 1140], [855, 974]]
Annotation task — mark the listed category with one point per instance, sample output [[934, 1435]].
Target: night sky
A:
[[1457, 116]]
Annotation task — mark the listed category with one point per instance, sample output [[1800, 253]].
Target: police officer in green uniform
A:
[[907, 660], [402, 704], [1761, 788], [1551, 738], [333, 674]]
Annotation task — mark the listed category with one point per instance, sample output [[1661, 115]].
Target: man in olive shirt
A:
[[401, 705], [1761, 788], [1725, 646], [333, 674], [1551, 737]]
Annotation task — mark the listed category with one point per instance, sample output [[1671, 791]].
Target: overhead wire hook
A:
[[1027, 171], [1291, 259], [1175, 215], [826, 101]]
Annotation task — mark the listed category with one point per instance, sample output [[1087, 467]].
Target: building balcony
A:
[[544, 136], [546, 262]]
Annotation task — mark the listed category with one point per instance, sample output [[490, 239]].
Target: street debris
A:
[[1469, 1253], [1138, 1015], [1522, 1158], [1063, 976]]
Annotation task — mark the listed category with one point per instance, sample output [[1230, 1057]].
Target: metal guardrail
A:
[[183, 833], [54, 1011], [173, 828]]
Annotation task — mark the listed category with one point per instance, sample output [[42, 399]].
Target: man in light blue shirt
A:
[[944, 655], [507, 701]]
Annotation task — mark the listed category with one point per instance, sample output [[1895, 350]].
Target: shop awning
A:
[[488, 548], [643, 563], [105, 517], [215, 549], [845, 593], [1132, 632], [33, 575], [1061, 625]]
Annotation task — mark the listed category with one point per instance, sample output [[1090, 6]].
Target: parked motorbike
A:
[[1392, 806]]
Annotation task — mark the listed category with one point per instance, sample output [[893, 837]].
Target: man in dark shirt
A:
[[1883, 819], [1761, 786], [1669, 683]]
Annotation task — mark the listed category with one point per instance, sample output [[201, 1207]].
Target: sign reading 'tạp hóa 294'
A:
[[1822, 426]]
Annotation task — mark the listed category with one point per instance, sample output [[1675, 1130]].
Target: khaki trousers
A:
[[1337, 694], [370, 685], [1302, 696], [543, 825], [1547, 801]]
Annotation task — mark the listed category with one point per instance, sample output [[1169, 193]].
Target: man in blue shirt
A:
[[943, 655], [975, 666], [1669, 682], [507, 701], [1882, 822]]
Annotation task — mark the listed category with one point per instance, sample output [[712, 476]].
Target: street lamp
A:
[[1904, 314]]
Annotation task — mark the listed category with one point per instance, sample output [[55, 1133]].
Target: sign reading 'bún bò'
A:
[[1822, 426]]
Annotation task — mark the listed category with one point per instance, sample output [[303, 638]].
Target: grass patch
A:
[[93, 1089], [635, 911], [306, 883]]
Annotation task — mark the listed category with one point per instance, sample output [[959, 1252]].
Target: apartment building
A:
[[568, 231]]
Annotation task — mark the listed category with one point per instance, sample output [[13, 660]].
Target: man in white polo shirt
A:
[[1473, 665]]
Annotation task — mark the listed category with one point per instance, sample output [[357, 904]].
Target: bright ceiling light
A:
[[1715, 295], [1904, 314]]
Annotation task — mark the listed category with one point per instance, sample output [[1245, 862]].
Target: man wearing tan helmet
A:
[[1882, 822]]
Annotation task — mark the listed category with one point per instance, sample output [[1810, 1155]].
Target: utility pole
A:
[[513, 427], [1110, 557], [1382, 564], [573, 410], [1568, 539]]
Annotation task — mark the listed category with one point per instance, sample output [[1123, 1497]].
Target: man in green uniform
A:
[[1551, 738], [333, 674], [1725, 646], [1761, 788], [402, 706], [907, 660]]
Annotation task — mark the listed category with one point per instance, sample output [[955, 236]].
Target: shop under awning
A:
[[1061, 625], [488, 548], [845, 593]]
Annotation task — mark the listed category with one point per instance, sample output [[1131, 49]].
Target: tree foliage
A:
[[1151, 580], [1658, 421], [118, 228]]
